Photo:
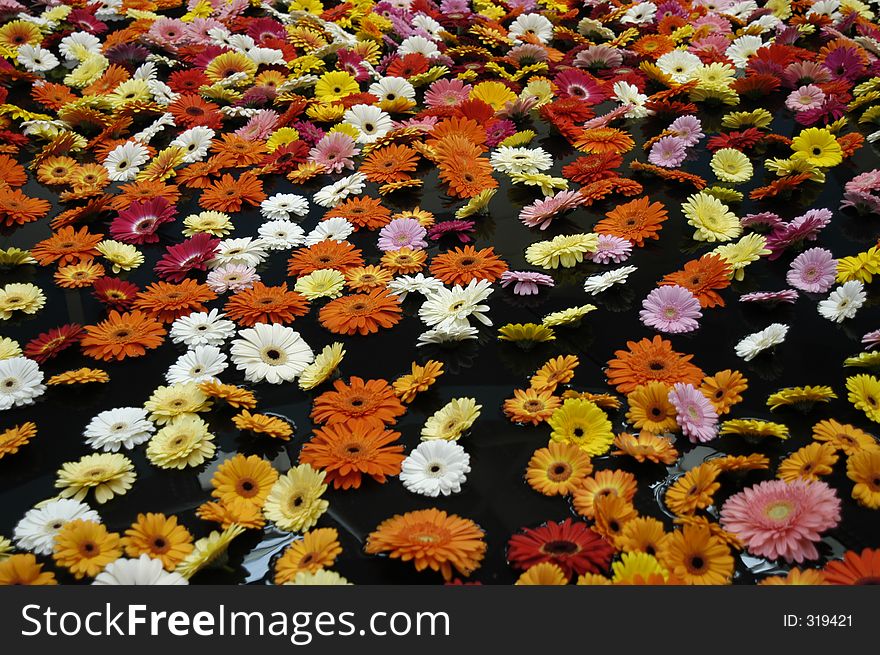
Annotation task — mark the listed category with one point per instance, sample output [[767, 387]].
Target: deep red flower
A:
[[190, 255], [571, 545], [115, 293], [49, 344]]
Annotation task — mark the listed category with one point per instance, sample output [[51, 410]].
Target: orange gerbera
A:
[[603, 483], [362, 313], [122, 335], [694, 490], [461, 265], [67, 246], [755, 461], [262, 304], [703, 277], [530, 406], [600, 140], [142, 190], [612, 514], [233, 396], [168, 302], [458, 126], [642, 534], [17, 209], [14, 438], [338, 255], [371, 403], [54, 170], [250, 478], [348, 452], [650, 359], [263, 424], [86, 547], [233, 511], [673, 174], [316, 550], [52, 96], [422, 378], [723, 389], [228, 194], [808, 463], [79, 376], [843, 436], [558, 469], [431, 539], [242, 151], [363, 212], [653, 45], [404, 261], [23, 569], [77, 276], [808, 577], [389, 164], [467, 176], [634, 221], [160, 537], [559, 370], [363, 278], [645, 446], [855, 568]]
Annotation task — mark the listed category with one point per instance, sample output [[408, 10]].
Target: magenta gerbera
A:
[[813, 270], [778, 519], [139, 223], [190, 255], [671, 309], [694, 413], [402, 233], [542, 212], [525, 283], [574, 83]]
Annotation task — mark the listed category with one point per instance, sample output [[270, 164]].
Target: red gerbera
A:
[[572, 545], [191, 255], [115, 293], [49, 344]]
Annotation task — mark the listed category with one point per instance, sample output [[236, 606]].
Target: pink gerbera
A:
[[610, 249], [447, 93], [778, 519], [402, 233], [541, 212], [809, 96], [871, 339], [335, 151], [687, 128], [813, 270], [668, 152], [190, 255], [574, 83], [770, 297], [671, 309], [525, 283], [139, 223], [460, 229], [694, 413], [232, 277]]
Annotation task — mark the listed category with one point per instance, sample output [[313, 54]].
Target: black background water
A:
[[495, 494]]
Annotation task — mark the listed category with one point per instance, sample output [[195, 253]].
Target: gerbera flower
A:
[[696, 556], [402, 233], [141, 220], [634, 221], [271, 352], [48, 344], [462, 265], [325, 364], [263, 304], [730, 165], [863, 468], [582, 423], [185, 442], [843, 437], [316, 550], [864, 394], [695, 414], [854, 568], [67, 246], [323, 255], [571, 545], [79, 376], [122, 335], [271, 426], [712, 219], [558, 469], [531, 406], [20, 297], [348, 451], [648, 360], [422, 378], [668, 152], [703, 277], [404, 260], [566, 250], [795, 576], [435, 467], [364, 313], [167, 403], [168, 302], [556, 371], [294, 503], [650, 409], [671, 309], [694, 490], [818, 147], [723, 389], [21, 382], [207, 550], [23, 569], [777, 519], [371, 404], [754, 344], [844, 301], [107, 474], [85, 548], [808, 463], [646, 446], [431, 539], [160, 537], [603, 483], [15, 437], [451, 420], [191, 255]]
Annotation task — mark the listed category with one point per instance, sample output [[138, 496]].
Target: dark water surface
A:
[[495, 494]]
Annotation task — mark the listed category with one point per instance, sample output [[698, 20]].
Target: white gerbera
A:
[[628, 94], [332, 194], [335, 228], [451, 308], [453, 334], [200, 364], [680, 65], [79, 46], [844, 301], [144, 570], [271, 352], [36, 59], [371, 122], [196, 141], [419, 283], [772, 335], [428, 24], [535, 25], [526, 161], [392, 88], [123, 427], [245, 251], [418, 45], [643, 12], [281, 234], [124, 161], [598, 283], [743, 48], [202, 329], [21, 380], [435, 467], [36, 531], [280, 206]]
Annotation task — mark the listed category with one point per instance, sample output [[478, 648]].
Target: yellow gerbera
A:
[[582, 423], [818, 146]]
